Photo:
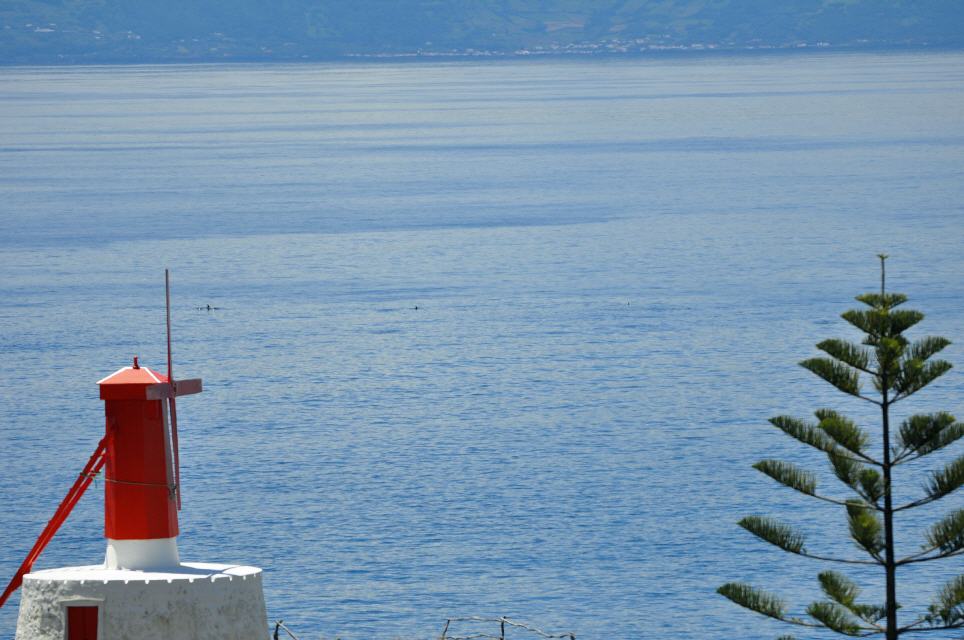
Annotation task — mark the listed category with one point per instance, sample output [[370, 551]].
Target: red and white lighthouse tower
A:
[[142, 591], [141, 484]]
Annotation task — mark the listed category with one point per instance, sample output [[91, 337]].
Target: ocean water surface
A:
[[491, 338]]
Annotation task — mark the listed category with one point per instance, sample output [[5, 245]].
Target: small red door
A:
[[81, 623]]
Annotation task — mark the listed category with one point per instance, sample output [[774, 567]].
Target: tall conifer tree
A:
[[897, 368]]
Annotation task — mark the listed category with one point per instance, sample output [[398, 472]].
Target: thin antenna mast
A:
[[883, 257], [170, 380]]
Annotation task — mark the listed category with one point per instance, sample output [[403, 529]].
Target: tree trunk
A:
[[889, 564]]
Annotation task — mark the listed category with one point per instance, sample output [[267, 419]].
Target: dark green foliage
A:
[[774, 532], [947, 480], [834, 617], [865, 527], [843, 431], [882, 301], [915, 375], [760, 601], [836, 373], [948, 534], [949, 607], [845, 468], [923, 434], [855, 355], [873, 322], [888, 351], [789, 475], [897, 368], [900, 321], [805, 433], [839, 588], [871, 485], [921, 350], [865, 481], [882, 323], [872, 614]]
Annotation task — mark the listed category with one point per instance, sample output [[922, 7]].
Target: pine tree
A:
[[897, 369]]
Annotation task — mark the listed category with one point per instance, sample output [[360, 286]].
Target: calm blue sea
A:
[[492, 338]]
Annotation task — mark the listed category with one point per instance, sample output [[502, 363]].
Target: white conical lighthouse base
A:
[[188, 602], [142, 555]]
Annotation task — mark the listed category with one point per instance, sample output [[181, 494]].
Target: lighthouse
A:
[[142, 590]]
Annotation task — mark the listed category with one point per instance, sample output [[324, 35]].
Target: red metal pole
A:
[[66, 507], [94, 465], [170, 380]]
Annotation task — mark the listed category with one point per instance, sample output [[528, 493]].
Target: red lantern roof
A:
[[130, 375], [142, 383], [133, 383]]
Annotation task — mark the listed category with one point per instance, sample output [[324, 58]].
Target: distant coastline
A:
[[572, 53], [45, 32]]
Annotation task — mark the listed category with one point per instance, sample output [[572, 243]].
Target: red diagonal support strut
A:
[[83, 481]]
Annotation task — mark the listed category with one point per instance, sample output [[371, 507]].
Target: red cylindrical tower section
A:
[[141, 502], [140, 497]]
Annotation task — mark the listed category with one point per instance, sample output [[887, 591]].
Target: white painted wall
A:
[[191, 602], [159, 554]]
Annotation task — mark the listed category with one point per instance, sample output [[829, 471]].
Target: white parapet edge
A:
[[142, 555], [186, 572]]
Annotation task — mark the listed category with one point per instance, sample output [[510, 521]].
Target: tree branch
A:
[[870, 400], [905, 456], [870, 631], [915, 623], [876, 562], [838, 502], [910, 628], [916, 503], [870, 460], [915, 558]]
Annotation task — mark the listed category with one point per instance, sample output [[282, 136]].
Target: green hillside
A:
[[138, 30]]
